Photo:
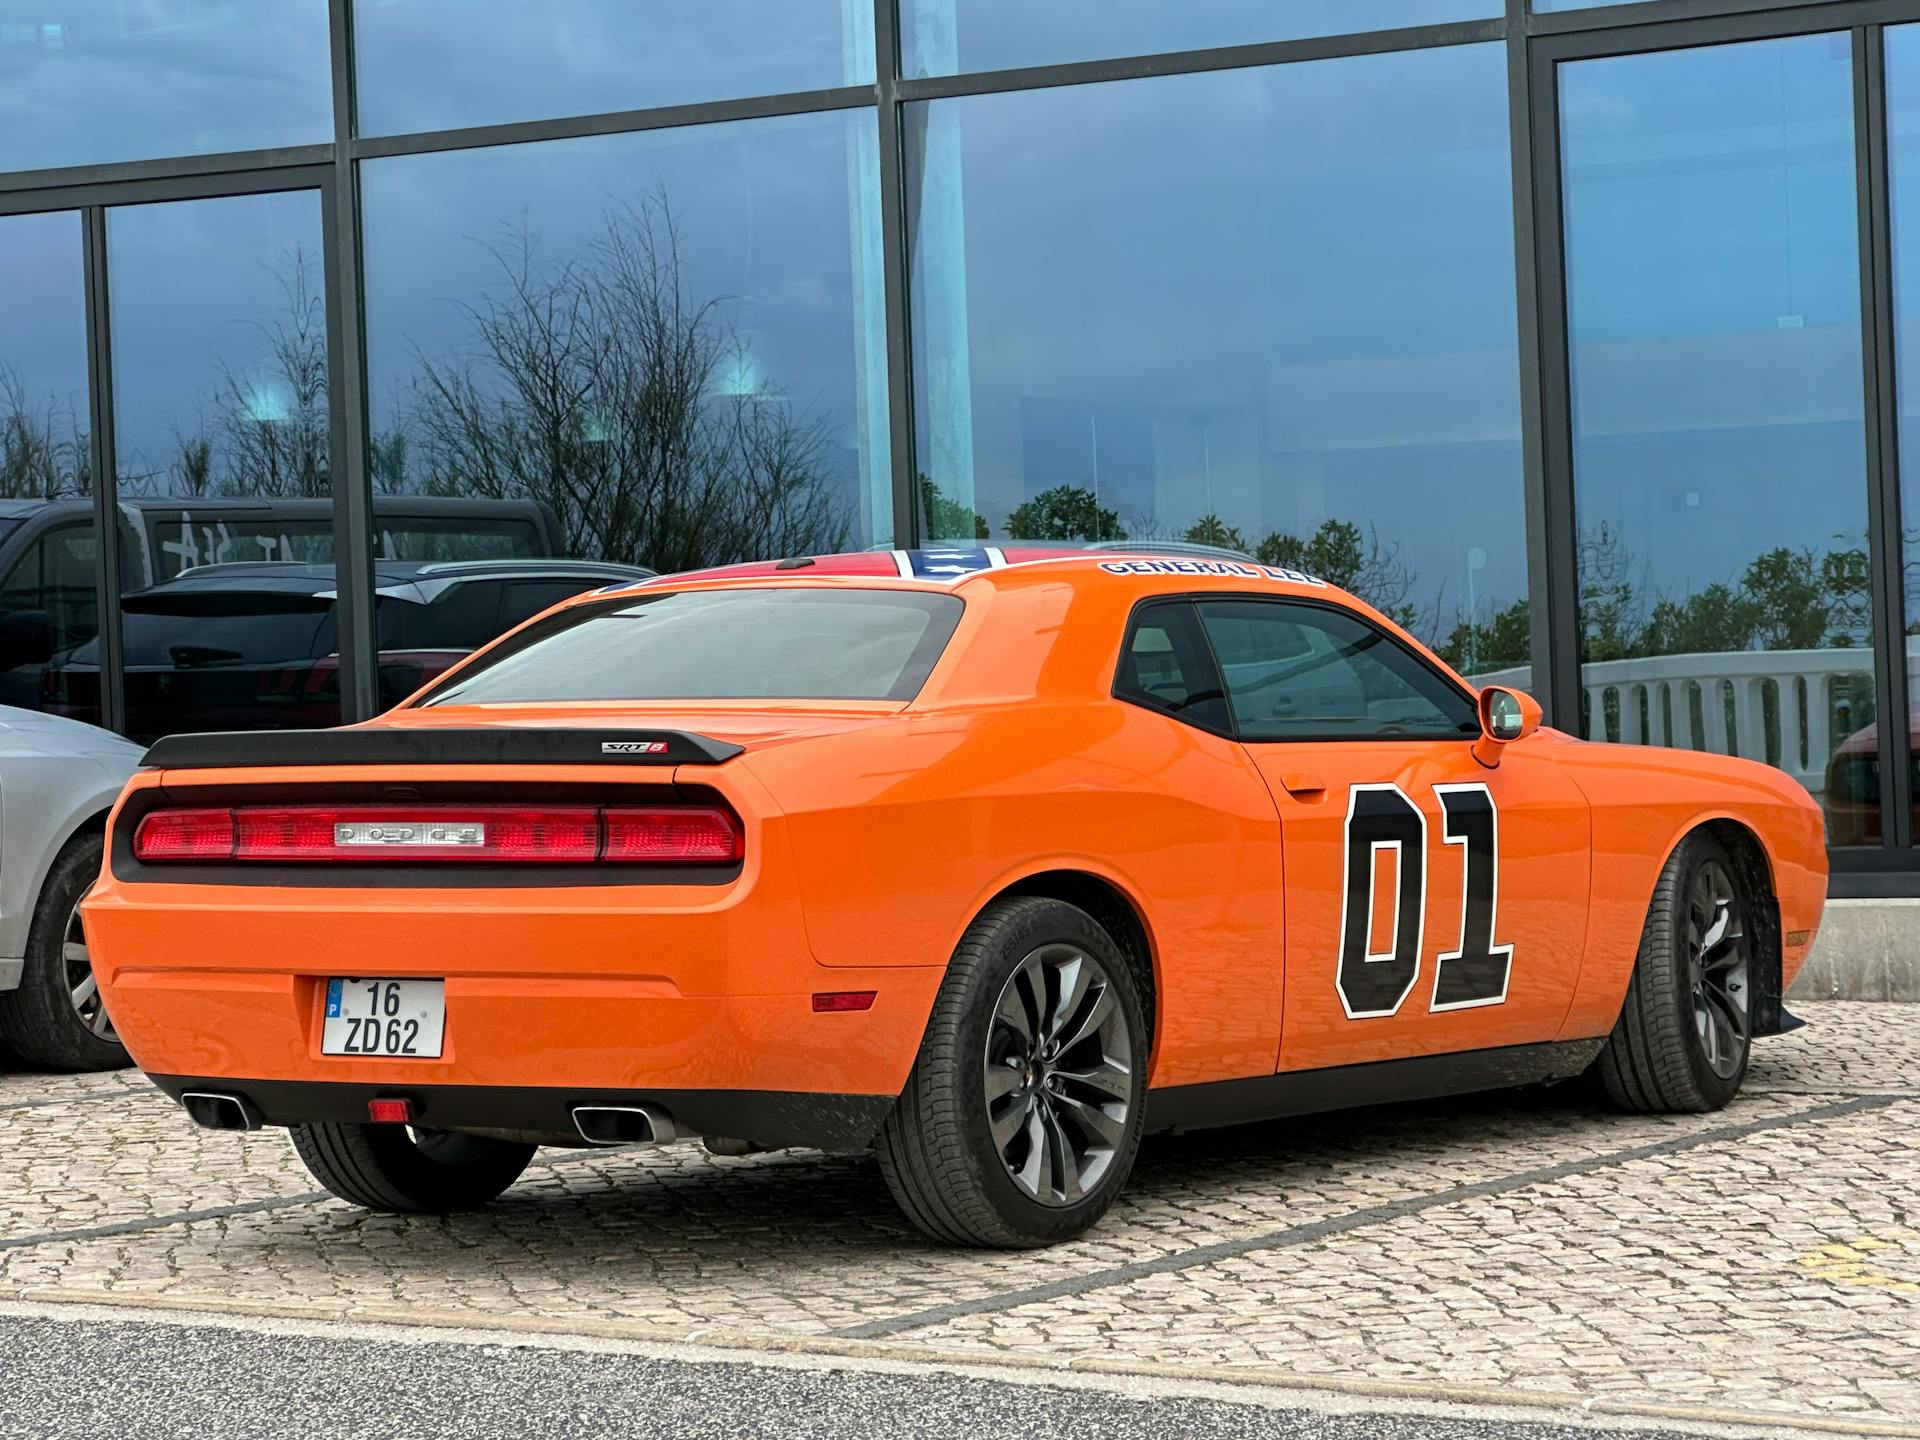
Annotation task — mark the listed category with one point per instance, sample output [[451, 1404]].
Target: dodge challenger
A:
[[989, 868]]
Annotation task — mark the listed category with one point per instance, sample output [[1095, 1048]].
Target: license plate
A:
[[404, 1018]]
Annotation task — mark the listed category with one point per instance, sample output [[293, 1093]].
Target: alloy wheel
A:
[[1059, 1075], [81, 986], [1719, 967]]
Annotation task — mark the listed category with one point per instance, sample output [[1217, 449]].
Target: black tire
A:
[[39, 1020], [937, 1150], [392, 1168], [1660, 1058]]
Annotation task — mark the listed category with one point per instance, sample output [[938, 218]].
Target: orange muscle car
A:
[[991, 867]]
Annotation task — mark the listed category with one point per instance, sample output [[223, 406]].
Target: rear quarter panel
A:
[[901, 836], [1645, 801]]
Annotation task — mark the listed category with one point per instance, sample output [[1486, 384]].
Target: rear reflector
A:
[[833, 1001], [435, 834], [390, 1112]]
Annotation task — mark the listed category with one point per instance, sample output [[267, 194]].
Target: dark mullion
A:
[[1191, 62], [184, 187], [1533, 466], [352, 485], [1655, 12], [903, 460], [105, 462], [1649, 26], [1885, 542], [618, 122], [173, 168], [1560, 518]]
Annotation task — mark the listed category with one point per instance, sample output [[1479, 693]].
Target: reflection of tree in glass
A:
[[1066, 512], [946, 519], [1210, 529], [597, 386], [43, 446], [1785, 599], [1339, 554]]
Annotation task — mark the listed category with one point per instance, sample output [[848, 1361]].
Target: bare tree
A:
[[43, 448], [596, 386]]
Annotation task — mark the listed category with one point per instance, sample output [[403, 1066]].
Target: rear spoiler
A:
[[490, 745]]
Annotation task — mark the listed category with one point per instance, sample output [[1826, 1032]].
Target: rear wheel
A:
[[1682, 1039], [396, 1168], [57, 1019], [1022, 1117]]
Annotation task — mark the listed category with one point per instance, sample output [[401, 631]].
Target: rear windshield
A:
[[722, 645], [221, 629]]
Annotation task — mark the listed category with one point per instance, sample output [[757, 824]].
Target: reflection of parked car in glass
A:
[[50, 555], [58, 779], [1853, 785], [255, 645]]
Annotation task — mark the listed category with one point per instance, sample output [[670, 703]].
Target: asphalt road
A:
[[88, 1378]]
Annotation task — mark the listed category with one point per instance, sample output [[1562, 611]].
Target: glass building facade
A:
[[1580, 337]]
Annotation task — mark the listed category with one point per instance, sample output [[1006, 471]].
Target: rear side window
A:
[[1309, 672], [772, 644], [1165, 666]]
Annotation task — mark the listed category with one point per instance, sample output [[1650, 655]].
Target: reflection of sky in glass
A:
[[766, 223], [431, 64], [134, 79], [43, 337], [197, 288], [945, 36], [1713, 295], [1282, 295]]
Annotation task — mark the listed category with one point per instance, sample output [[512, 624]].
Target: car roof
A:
[[949, 566]]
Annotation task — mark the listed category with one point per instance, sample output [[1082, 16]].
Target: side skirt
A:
[[1341, 1087]]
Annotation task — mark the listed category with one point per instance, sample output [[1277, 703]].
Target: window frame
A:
[[1194, 599]]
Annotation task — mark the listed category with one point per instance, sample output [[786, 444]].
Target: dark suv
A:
[[255, 645]]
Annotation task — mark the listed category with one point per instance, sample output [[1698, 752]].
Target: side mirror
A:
[[1505, 716], [26, 638]]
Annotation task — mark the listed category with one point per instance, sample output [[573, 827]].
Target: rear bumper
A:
[[771, 1118], [619, 982]]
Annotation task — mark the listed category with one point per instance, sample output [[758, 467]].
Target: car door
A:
[[1433, 904]]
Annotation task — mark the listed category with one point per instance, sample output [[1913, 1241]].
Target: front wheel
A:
[[1022, 1117], [1682, 1039], [401, 1170]]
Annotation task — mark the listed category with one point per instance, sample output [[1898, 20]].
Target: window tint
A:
[[1165, 666], [1300, 672], [723, 645]]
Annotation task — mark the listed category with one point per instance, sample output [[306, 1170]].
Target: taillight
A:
[[701, 836], [185, 835], [501, 835]]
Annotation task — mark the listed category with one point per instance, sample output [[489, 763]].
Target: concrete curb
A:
[[718, 1344], [1866, 950]]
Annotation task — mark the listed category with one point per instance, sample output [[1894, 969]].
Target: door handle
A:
[[1304, 784]]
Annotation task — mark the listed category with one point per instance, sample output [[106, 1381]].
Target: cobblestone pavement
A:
[[1764, 1261]]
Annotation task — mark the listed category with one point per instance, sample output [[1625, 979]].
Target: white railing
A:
[[1654, 704]]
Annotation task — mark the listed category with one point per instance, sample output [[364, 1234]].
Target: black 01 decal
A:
[[1476, 973], [1381, 817]]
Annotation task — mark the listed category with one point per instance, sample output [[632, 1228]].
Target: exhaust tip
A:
[[623, 1124], [212, 1111]]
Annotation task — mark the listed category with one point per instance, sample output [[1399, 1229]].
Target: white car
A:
[[58, 779]]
